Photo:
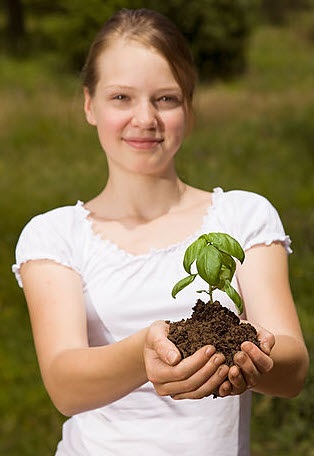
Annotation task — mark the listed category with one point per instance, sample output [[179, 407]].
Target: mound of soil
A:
[[211, 324]]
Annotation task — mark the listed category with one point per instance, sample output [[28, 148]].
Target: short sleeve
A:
[[258, 222], [46, 236]]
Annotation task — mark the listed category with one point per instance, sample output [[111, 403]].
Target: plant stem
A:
[[210, 292]]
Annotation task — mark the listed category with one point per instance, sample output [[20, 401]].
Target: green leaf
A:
[[182, 284], [192, 253], [225, 274], [208, 264], [233, 294], [213, 254], [228, 263], [227, 244]]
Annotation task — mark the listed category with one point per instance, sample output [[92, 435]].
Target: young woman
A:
[[97, 276]]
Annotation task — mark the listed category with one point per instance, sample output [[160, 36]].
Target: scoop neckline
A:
[[217, 191]]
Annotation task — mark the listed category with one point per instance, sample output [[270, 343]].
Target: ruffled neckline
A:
[[84, 212]]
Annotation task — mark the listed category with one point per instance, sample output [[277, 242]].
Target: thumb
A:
[[173, 356], [165, 349]]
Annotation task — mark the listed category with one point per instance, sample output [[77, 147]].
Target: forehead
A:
[[127, 61]]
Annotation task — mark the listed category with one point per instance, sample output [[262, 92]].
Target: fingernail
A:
[[226, 390], [218, 359], [222, 371], [265, 347], [239, 357], [248, 346], [210, 351], [234, 372], [172, 356]]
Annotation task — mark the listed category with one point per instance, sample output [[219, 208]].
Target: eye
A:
[[120, 97], [169, 101]]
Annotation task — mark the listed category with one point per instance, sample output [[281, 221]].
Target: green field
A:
[[256, 133]]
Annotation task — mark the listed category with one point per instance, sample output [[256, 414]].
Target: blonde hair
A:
[[150, 29]]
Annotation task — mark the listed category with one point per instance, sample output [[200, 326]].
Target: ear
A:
[[88, 107]]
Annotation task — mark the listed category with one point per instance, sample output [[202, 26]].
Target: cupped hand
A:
[[195, 377], [249, 364]]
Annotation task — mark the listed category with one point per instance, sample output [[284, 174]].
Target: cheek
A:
[[177, 125], [110, 127]]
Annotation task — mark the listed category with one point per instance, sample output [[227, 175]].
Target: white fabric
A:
[[123, 294]]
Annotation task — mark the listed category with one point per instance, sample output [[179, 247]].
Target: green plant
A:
[[213, 256]]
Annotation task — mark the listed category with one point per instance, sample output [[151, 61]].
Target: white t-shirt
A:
[[124, 293]]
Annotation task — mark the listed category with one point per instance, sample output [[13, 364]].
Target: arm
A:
[[77, 377], [279, 368], [265, 288]]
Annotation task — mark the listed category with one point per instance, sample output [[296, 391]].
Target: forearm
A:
[[81, 379], [288, 375]]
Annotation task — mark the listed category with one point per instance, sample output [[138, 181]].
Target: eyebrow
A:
[[118, 86], [125, 87]]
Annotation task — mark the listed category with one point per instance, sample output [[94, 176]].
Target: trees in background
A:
[[218, 30], [15, 24], [277, 11]]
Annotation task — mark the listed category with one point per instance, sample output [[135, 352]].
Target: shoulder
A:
[[249, 217], [58, 229], [239, 204], [52, 235], [62, 219], [64, 213], [241, 199]]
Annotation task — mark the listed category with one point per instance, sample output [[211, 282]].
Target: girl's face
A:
[[138, 109]]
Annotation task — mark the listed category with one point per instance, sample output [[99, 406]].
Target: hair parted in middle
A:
[[153, 30]]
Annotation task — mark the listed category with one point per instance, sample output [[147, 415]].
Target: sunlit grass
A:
[[256, 133]]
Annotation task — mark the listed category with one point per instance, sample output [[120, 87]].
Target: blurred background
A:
[[254, 130]]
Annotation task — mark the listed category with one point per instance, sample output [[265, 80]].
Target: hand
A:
[[194, 377], [249, 365]]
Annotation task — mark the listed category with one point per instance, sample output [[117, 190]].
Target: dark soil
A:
[[211, 324]]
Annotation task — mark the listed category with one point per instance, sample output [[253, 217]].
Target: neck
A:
[[141, 197]]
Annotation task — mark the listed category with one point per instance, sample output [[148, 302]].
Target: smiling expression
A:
[[138, 109]]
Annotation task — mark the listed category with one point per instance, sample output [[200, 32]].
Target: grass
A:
[[255, 133]]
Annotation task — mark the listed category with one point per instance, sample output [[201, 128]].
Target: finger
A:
[[237, 380], [266, 338], [159, 342], [206, 388], [267, 341], [189, 372], [170, 379], [262, 361], [194, 363], [225, 389], [249, 371], [193, 382]]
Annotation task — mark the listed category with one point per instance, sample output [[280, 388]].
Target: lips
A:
[[143, 143]]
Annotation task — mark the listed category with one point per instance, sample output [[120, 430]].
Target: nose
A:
[[145, 115]]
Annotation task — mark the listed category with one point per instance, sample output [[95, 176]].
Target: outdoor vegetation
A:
[[254, 130]]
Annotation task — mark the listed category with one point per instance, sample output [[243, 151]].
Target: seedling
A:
[[213, 255]]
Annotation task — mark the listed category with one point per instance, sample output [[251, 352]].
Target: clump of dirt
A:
[[211, 324]]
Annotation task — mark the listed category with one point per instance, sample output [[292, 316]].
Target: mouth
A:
[[143, 143]]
